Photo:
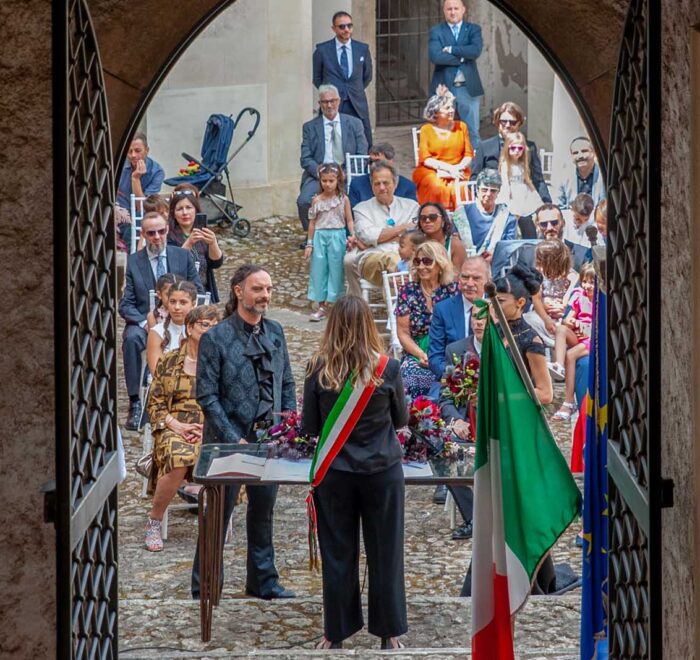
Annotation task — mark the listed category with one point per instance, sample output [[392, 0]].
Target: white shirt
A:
[[468, 304], [577, 235], [338, 51], [477, 345], [328, 135], [176, 332], [371, 218]]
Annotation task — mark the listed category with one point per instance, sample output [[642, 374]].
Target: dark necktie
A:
[[160, 267], [344, 64]]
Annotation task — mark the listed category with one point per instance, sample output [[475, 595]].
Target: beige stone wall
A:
[[27, 572]]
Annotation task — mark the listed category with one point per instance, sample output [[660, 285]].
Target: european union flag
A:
[[594, 598]]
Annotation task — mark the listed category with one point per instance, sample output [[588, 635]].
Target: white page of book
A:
[[237, 464], [414, 469], [281, 469]]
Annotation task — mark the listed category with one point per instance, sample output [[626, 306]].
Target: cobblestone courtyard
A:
[[157, 616]]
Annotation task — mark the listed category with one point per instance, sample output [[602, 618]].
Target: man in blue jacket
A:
[[347, 64], [454, 47]]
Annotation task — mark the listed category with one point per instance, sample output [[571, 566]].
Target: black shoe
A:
[[134, 418], [462, 532], [278, 591], [440, 495]]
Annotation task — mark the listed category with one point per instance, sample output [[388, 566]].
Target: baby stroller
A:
[[214, 165]]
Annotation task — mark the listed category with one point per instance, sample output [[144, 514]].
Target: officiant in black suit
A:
[[243, 379]]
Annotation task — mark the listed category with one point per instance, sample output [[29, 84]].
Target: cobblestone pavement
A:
[[155, 609]]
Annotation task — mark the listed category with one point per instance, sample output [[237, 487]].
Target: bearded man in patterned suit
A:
[[243, 379]]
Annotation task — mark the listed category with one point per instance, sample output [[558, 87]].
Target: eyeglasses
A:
[[152, 233], [548, 223], [330, 102], [426, 261], [508, 122], [516, 147], [489, 191], [205, 324], [344, 26], [429, 217]]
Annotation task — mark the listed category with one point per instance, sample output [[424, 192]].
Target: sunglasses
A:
[[344, 26], [426, 261], [516, 147], [184, 193], [152, 233], [548, 223], [429, 217], [508, 122], [329, 167]]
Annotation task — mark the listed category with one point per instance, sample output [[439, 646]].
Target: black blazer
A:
[[372, 445], [489, 151], [133, 307], [227, 385], [466, 350]]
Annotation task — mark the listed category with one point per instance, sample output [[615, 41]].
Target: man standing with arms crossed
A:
[[454, 47]]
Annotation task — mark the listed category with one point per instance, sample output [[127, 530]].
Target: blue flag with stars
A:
[[594, 597]]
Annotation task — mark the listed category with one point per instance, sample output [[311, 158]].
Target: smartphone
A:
[[200, 221]]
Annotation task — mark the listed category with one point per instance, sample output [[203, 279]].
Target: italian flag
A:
[[524, 499]]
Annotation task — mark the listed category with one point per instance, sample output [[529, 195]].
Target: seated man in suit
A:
[[347, 64], [452, 317], [484, 223], [458, 416], [361, 186], [509, 118], [378, 224], [326, 139], [143, 268]]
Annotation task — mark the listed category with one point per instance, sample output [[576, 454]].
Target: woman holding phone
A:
[[188, 230]]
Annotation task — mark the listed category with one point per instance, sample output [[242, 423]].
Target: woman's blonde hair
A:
[[553, 259], [507, 160], [439, 255], [350, 346]]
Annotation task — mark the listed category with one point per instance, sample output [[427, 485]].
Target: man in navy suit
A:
[[361, 186], [454, 47], [347, 64], [509, 118], [326, 139], [143, 268], [452, 317]]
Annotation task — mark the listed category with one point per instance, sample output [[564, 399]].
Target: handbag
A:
[[144, 465]]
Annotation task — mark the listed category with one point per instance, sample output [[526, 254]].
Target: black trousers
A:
[[464, 499], [133, 344], [347, 108], [343, 501], [261, 574]]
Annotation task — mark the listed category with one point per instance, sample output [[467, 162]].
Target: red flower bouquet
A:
[[286, 440], [426, 434], [461, 380]]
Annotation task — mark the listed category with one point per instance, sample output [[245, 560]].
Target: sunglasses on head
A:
[[344, 26], [329, 167], [183, 193], [426, 261], [156, 232], [508, 122], [431, 217], [548, 223]]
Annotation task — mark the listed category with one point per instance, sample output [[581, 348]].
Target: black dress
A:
[[203, 262]]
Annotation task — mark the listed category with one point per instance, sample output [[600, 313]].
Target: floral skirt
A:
[[417, 380], [170, 451]]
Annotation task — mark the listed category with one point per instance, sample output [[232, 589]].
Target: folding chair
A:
[[546, 158], [415, 135], [136, 212], [203, 298], [465, 193], [392, 282], [355, 165]]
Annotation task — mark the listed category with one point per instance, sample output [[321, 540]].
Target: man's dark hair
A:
[[338, 14], [140, 135], [582, 204], [580, 138], [241, 275], [548, 206], [383, 148], [383, 165]]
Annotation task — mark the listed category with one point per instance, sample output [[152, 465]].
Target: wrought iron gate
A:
[[403, 66], [85, 336], [635, 489]]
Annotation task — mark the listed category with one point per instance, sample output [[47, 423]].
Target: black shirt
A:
[[527, 339], [372, 445], [585, 185]]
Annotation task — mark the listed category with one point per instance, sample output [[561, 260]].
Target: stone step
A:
[[439, 627]]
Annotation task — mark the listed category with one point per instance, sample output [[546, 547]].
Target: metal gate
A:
[[85, 337], [635, 489], [403, 65]]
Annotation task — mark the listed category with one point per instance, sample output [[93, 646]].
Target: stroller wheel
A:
[[241, 228]]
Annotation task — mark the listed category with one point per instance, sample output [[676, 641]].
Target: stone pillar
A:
[[27, 544], [566, 125], [540, 93]]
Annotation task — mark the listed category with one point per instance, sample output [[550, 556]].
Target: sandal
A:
[[391, 644], [565, 412], [326, 644], [153, 540], [556, 371]]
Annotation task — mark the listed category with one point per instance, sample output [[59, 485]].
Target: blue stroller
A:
[[214, 165]]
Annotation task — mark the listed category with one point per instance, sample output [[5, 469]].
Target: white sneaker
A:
[[556, 371], [318, 315]]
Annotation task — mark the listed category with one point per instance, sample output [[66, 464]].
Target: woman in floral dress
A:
[[433, 281]]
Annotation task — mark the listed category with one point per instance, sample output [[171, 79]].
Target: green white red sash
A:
[[340, 422]]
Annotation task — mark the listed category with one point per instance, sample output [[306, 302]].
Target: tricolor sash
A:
[[338, 426]]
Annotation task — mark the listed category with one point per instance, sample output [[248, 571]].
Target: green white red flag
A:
[[524, 499]]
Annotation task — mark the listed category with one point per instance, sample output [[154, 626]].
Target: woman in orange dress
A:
[[444, 152]]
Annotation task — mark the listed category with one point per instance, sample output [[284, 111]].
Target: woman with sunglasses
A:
[[177, 420], [200, 241], [444, 152], [435, 224], [433, 281]]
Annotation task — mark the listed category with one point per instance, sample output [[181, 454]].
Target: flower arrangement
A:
[[192, 168], [426, 434], [286, 439], [461, 380]]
